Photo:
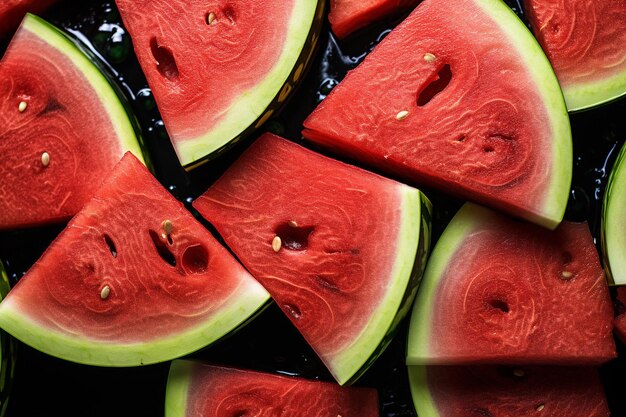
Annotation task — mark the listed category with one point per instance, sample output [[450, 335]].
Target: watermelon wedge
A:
[[8, 350], [13, 11], [585, 42], [195, 389], [340, 250], [452, 391], [473, 109], [614, 222], [134, 279], [219, 70], [346, 16], [497, 290], [62, 127]]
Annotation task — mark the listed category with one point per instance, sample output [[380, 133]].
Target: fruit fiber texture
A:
[[346, 16]]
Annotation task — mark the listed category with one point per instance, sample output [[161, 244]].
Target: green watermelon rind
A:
[[584, 96], [420, 393], [272, 92], [117, 113], [412, 248], [547, 86], [468, 219], [8, 349], [245, 302], [177, 391], [613, 223]]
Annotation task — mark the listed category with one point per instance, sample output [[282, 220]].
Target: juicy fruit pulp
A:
[[614, 222], [346, 16], [501, 291], [217, 68], [133, 279], [62, 127], [585, 42], [12, 12], [195, 389], [498, 391], [339, 249], [481, 117]]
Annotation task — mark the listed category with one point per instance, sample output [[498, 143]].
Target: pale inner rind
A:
[[420, 392], [177, 392]]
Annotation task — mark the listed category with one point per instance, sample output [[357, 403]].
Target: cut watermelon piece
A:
[[473, 109], [219, 70], [451, 391], [13, 11], [502, 291], [341, 250], [133, 279], [195, 389], [62, 127], [585, 41], [614, 222], [346, 16], [8, 349]]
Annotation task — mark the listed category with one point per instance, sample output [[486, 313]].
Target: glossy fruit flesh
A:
[[346, 16]]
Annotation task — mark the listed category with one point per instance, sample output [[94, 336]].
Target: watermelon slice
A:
[[346, 16], [501, 291], [219, 70], [339, 249], [195, 389], [12, 12], [614, 222], [62, 127], [451, 391], [8, 348], [585, 41], [472, 108], [133, 279]]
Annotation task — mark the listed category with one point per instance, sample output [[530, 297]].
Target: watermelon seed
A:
[[111, 245], [210, 18], [104, 294], [277, 243], [402, 115], [518, 372], [428, 57], [45, 159], [566, 274], [540, 407], [22, 106], [167, 226], [292, 223]]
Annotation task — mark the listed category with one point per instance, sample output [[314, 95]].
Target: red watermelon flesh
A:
[[133, 279], [348, 243], [69, 112], [471, 108], [586, 43], [199, 390], [346, 16], [12, 12], [500, 291], [451, 391]]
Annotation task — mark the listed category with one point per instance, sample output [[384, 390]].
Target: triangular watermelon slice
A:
[[492, 391], [133, 279], [62, 127], [341, 250], [585, 41], [497, 290], [460, 97], [346, 16], [195, 389]]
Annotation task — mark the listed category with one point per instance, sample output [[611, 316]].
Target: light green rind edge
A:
[[177, 391], [538, 65], [466, 221], [250, 106], [243, 303], [100, 85], [613, 223], [583, 96], [420, 393], [344, 364]]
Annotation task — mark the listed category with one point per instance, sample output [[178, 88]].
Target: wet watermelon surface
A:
[[45, 386]]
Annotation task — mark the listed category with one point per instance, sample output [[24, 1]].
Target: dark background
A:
[[46, 386]]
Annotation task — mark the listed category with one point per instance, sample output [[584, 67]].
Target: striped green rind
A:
[[177, 390], [111, 103], [547, 86], [8, 349], [583, 96], [246, 301], [614, 223], [468, 219], [412, 250], [422, 400], [254, 107]]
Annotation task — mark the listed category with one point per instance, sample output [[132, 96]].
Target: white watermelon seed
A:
[[22, 106], [518, 372], [402, 115], [566, 274], [428, 57], [210, 18], [45, 159], [540, 407], [167, 227], [277, 243], [104, 294], [293, 223]]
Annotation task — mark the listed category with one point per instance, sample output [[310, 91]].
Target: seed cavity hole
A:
[[230, 14], [566, 258], [195, 259], [435, 86], [498, 304], [488, 149], [293, 311], [294, 238], [327, 284], [111, 245], [162, 249], [166, 64]]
